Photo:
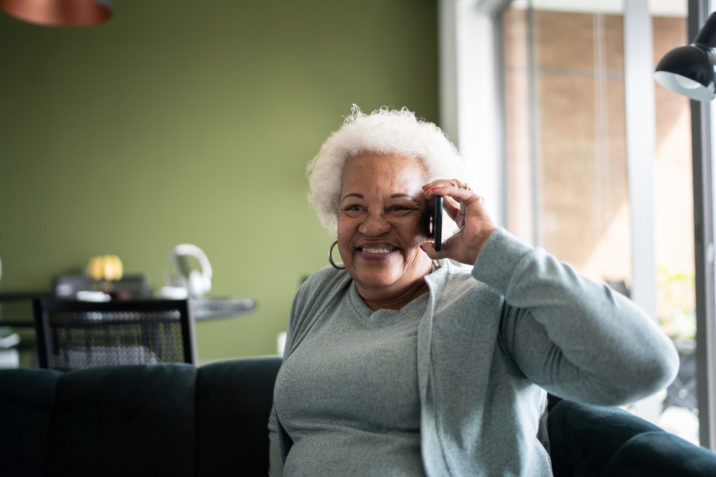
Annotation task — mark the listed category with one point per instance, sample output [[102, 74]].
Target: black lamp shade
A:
[[65, 13], [689, 70]]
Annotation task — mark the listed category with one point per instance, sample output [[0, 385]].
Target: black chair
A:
[[74, 334]]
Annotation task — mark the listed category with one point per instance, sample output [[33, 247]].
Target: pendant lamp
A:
[[62, 13], [689, 70]]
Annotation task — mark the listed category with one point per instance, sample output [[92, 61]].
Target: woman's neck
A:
[[376, 301]]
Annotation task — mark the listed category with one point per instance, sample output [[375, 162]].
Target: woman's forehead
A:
[[373, 166], [385, 174]]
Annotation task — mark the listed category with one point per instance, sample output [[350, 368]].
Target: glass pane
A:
[[567, 184], [566, 142]]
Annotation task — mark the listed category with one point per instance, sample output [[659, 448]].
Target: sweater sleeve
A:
[[575, 337], [278, 440], [275, 454]]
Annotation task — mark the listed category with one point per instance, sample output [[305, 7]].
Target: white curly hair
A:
[[384, 131]]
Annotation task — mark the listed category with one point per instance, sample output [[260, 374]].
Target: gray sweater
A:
[[492, 340]]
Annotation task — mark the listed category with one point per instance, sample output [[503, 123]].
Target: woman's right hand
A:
[[467, 210]]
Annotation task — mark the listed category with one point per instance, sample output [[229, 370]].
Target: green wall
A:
[[185, 121]]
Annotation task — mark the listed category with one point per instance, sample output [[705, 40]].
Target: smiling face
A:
[[380, 214]]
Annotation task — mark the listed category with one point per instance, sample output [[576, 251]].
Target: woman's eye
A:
[[352, 208], [399, 208]]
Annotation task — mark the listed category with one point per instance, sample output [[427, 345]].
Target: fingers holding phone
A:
[[467, 210], [434, 221]]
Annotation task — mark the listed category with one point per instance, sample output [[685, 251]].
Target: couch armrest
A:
[[584, 438], [660, 453]]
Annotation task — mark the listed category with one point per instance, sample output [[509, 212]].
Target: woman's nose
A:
[[374, 225]]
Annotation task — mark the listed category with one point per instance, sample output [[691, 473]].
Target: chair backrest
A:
[[74, 334]]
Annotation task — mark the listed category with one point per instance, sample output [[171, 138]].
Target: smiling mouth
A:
[[375, 250]]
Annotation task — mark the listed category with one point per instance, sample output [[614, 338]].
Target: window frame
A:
[[702, 132]]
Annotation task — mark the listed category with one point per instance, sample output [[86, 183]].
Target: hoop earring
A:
[[330, 257]]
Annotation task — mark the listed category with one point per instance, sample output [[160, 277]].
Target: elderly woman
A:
[[404, 361]]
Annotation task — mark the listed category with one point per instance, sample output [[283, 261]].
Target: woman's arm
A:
[[306, 308], [573, 336], [278, 439], [275, 454]]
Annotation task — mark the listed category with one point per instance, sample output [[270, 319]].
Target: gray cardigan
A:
[[492, 340]]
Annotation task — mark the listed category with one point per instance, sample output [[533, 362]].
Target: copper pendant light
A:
[[67, 13]]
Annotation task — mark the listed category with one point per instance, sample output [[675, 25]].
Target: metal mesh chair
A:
[[73, 334]]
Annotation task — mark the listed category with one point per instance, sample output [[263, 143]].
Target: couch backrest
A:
[[161, 419], [179, 420], [26, 398], [232, 442]]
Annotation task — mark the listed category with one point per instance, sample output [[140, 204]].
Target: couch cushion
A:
[[124, 420], [662, 454], [26, 403], [234, 399]]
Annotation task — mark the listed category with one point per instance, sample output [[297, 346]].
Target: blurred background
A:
[[193, 122]]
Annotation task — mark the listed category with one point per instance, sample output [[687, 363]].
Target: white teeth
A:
[[377, 250]]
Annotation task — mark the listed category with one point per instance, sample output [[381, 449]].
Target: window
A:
[[568, 184]]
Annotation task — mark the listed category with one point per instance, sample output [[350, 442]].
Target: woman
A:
[[406, 361]]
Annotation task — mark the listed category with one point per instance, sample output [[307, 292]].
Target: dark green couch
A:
[[179, 420]]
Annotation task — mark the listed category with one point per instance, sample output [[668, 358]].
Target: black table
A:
[[16, 308]]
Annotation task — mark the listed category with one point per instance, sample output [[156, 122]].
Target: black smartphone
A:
[[434, 221]]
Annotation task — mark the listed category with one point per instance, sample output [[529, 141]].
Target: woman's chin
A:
[[384, 271], [376, 274]]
